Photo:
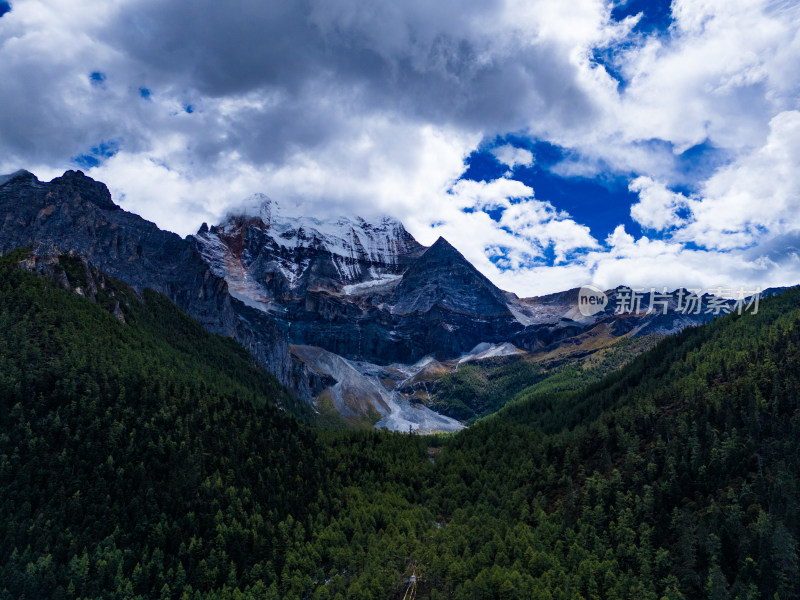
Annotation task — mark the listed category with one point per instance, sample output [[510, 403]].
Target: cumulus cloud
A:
[[658, 208], [646, 264], [542, 227], [270, 79], [718, 76], [373, 106], [513, 157], [755, 197], [487, 195]]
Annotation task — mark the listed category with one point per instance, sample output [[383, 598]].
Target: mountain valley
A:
[[356, 317], [142, 456]]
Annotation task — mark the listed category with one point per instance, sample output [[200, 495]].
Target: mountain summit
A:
[[285, 255], [443, 277], [366, 290], [344, 308], [74, 214]]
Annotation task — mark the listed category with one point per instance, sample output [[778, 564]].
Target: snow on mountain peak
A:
[[349, 237], [378, 240], [349, 242], [266, 207], [257, 206], [351, 255]]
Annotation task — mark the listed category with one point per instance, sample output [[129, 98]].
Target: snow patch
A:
[[292, 271], [359, 386], [223, 263], [348, 240], [486, 350], [371, 285]]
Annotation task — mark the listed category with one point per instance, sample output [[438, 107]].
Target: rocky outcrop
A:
[[364, 291], [363, 295], [77, 275], [443, 277], [74, 213]]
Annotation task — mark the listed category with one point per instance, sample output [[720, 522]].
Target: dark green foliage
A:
[[147, 459], [151, 443], [476, 390], [678, 472], [74, 269]]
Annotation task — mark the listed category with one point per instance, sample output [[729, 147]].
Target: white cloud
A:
[[541, 226], [365, 173], [755, 197], [658, 264], [345, 106], [513, 157], [719, 76], [487, 195], [657, 207]]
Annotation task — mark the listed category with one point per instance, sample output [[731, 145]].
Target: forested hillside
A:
[[478, 389], [675, 477], [147, 458]]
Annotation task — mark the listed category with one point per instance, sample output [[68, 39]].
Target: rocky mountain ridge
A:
[[316, 300], [75, 214]]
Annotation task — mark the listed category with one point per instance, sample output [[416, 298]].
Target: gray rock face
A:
[[74, 213], [364, 291], [443, 277], [370, 292]]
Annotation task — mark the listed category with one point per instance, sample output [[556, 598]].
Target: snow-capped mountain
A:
[[266, 256], [350, 310], [366, 290], [365, 304]]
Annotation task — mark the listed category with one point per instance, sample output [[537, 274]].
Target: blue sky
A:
[[646, 143], [603, 202], [656, 15]]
